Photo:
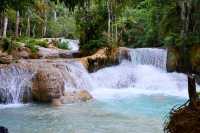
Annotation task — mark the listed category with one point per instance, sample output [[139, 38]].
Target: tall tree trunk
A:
[[109, 17], [116, 29], [33, 31], [186, 11], [28, 29], [193, 97], [55, 15], [5, 25], [1, 24], [45, 26], [17, 24]]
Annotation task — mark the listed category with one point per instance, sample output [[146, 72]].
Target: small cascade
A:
[[72, 44], [16, 81], [15, 85], [149, 56], [121, 76], [79, 77]]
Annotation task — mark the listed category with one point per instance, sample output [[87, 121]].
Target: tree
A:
[[4, 5], [186, 15], [19, 5]]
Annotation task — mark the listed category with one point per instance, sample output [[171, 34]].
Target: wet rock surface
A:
[[77, 96], [48, 84], [104, 58]]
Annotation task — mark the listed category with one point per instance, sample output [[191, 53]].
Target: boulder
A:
[[48, 84], [22, 53], [51, 53], [5, 58], [47, 53], [77, 96]]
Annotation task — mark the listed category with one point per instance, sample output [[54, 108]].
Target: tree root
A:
[[183, 119]]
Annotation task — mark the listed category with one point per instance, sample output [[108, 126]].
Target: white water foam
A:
[[145, 75], [142, 79], [14, 84], [15, 105], [149, 56], [72, 44]]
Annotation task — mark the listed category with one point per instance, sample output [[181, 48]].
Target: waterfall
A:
[[16, 81], [72, 44], [79, 77], [145, 74], [149, 56], [15, 85]]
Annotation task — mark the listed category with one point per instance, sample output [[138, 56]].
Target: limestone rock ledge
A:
[[104, 58], [50, 75]]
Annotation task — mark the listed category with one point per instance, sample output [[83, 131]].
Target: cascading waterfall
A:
[[16, 82], [149, 56], [15, 85], [135, 95], [144, 74], [79, 77]]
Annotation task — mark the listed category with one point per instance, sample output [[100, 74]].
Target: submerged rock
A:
[[56, 102], [77, 96], [3, 129]]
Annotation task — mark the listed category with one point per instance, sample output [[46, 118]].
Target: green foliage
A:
[[71, 4], [7, 44], [172, 40], [33, 43], [63, 27], [133, 23], [34, 48], [63, 45], [155, 23], [91, 25]]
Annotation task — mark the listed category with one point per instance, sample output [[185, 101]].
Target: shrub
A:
[[42, 43], [33, 48], [8, 44], [63, 45], [32, 41]]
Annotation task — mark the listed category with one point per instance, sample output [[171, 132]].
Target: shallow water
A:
[[139, 114]]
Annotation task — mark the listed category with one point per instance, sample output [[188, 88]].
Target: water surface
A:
[[139, 114]]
